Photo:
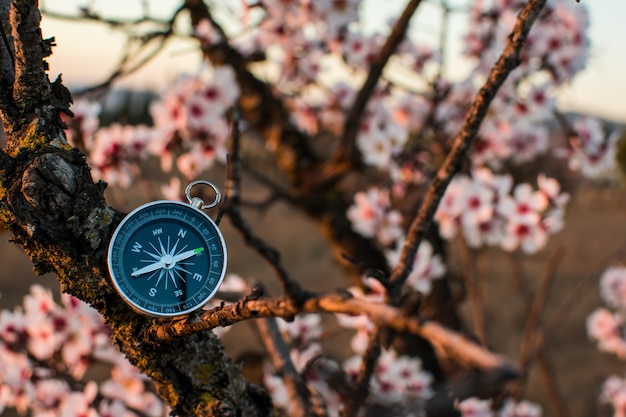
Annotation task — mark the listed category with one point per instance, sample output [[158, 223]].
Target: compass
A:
[[168, 258]]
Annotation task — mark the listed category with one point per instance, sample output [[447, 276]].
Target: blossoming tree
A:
[[390, 166]]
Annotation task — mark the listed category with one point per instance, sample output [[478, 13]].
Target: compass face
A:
[[167, 258]]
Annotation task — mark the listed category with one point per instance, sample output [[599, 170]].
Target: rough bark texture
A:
[[58, 215]]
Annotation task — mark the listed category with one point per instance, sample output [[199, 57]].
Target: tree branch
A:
[[347, 150], [448, 342], [58, 215], [507, 62], [233, 210], [279, 356], [366, 371], [267, 115]]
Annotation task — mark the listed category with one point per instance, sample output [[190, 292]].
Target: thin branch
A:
[[347, 151], [366, 371], [557, 402], [86, 15], [124, 68], [454, 345], [279, 356], [443, 39], [232, 209], [507, 62], [579, 291], [474, 292], [536, 307], [531, 340]]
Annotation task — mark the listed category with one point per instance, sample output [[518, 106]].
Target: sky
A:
[[87, 52]]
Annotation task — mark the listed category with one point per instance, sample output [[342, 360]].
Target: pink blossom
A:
[[521, 409], [397, 380], [359, 50], [84, 123], [371, 216], [426, 267], [376, 293], [475, 407], [302, 330], [79, 403], [337, 14], [206, 33], [593, 151], [75, 334], [172, 190], [613, 287], [614, 393], [605, 328]]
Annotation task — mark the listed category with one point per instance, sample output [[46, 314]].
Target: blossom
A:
[[475, 407], [375, 292], [426, 267], [483, 210], [614, 393], [592, 150], [521, 409], [206, 33], [398, 381], [337, 14], [371, 216], [115, 149], [43, 339], [84, 123], [613, 287], [302, 330], [605, 327], [523, 227], [359, 50]]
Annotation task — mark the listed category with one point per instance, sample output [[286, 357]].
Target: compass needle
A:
[[148, 268]]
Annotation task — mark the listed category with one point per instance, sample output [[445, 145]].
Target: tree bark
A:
[[59, 216]]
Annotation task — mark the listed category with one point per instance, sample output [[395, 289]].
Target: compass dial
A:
[[167, 258]]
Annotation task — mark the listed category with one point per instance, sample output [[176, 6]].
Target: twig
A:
[[535, 311], [366, 371], [519, 280], [557, 402], [260, 107], [474, 292], [232, 209], [96, 18], [124, 69], [532, 332], [581, 289], [508, 60], [453, 344], [532, 335], [351, 126], [279, 356], [443, 39]]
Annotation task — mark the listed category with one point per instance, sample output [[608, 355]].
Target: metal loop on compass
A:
[[198, 202]]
